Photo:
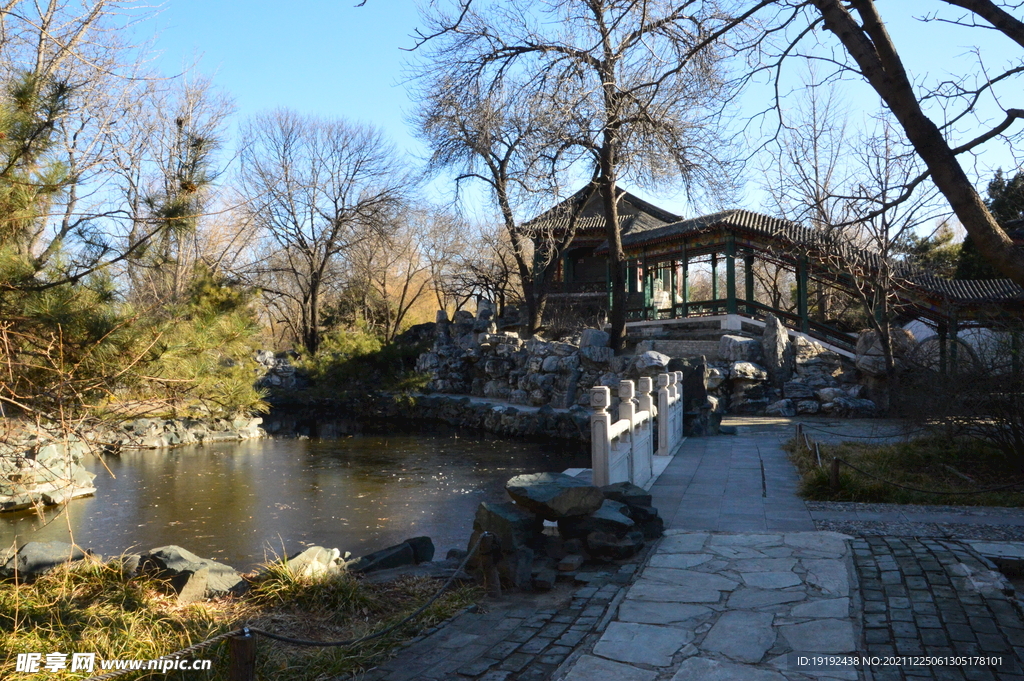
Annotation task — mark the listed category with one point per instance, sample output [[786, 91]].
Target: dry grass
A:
[[99, 609], [935, 464]]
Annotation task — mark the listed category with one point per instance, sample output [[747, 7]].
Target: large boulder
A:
[[611, 518], [514, 527], [781, 408], [651, 362], [385, 559], [171, 561], [739, 349], [605, 545], [870, 357], [748, 371], [554, 496], [596, 357], [316, 561], [627, 493], [594, 338], [38, 557], [798, 390], [777, 351]]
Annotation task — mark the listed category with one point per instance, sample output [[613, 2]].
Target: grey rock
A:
[[550, 363], [830, 394], [422, 549], [748, 371], [651, 362], [554, 496], [704, 669], [514, 526], [594, 338], [191, 586], [594, 357], [777, 351], [821, 636], [590, 668], [739, 349], [545, 580], [36, 558], [516, 568], [783, 407], [808, 407], [741, 636], [607, 545], [385, 559], [798, 390], [627, 493], [611, 518], [642, 643], [715, 378], [314, 562], [169, 561]]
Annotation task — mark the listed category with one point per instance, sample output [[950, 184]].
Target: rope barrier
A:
[[867, 437], [248, 631]]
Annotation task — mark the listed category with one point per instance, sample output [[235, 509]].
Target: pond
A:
[[241, 503]]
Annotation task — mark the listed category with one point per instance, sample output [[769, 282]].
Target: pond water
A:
[[241, 503]]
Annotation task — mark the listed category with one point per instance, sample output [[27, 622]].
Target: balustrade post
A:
[[627, 411], [600, 427], [664, 415], [643, 400]]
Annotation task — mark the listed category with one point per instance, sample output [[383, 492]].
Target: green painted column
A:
[[748, 274], [714, 276], [943, 361], [686, 282], [801, 293], [673, 287], [730, 274]]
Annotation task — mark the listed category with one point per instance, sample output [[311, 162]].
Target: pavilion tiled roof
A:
[[954, 290]]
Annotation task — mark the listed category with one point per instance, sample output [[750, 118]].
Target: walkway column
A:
[[801, 293], [686, 282], [714, 276], [943, 360], [748, 273], [673, 287], [730, 274]]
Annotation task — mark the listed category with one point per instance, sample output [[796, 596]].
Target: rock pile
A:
[[275, 371], [610, 523], [38, 466], [778, 376]]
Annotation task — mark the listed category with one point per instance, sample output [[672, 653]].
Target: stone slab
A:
[[821, 636], [590, 668], [742, 636], [833, 607], [660, 613], [759, 598], [679, 561], [642, 643], [689, 542], [831, 576], [688, 578], [704, 669], [771, 580]]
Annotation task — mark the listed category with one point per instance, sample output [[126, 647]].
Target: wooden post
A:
[[242, 653], [730, 274], [799, 433], [673, 287], [833, 476]]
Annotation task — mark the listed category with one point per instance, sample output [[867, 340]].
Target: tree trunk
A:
[[616, 257], [870, 46]]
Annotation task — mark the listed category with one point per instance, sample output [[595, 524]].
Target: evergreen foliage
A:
[[1006, 203]]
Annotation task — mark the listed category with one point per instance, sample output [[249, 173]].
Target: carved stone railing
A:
[[623, 449], [670, 412]]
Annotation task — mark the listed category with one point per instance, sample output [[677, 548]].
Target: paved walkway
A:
[[742, 586]]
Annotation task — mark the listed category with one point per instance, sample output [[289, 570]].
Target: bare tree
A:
[[315, 188], [631, 96]]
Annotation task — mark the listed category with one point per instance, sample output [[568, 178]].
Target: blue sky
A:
[[330, 58]]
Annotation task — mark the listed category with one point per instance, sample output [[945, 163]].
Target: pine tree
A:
[[1006, 203]]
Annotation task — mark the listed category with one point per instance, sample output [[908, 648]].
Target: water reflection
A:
[[241, 502]]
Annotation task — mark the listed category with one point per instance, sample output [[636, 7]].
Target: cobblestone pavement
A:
[[927, 597], [504, 641], [730, 606]]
